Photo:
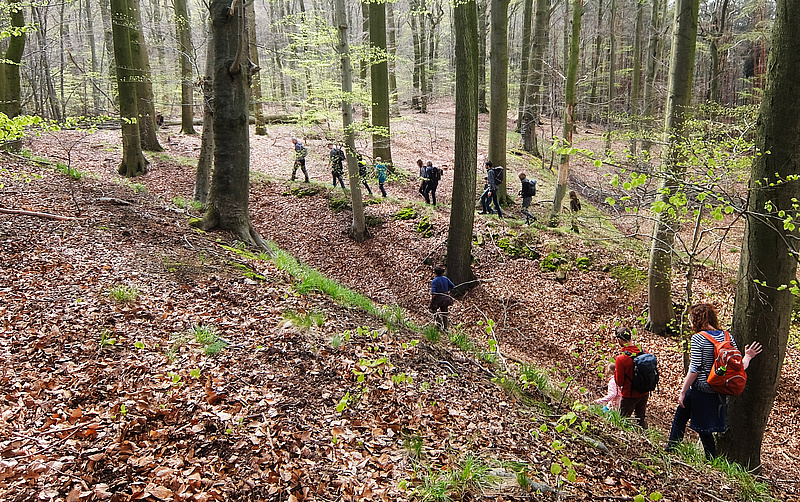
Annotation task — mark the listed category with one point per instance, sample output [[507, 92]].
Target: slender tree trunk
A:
[[637, 74], [541, 38], [435, 15], [596, 63], [133, 161], [417, 42], [105, 14], [97, 101], [229, 196], [653, 51], [205, 161], [394, 104], [612, 75], [483, 32], [358, 229], [679, 96], [365, 63], [184, 35], [10, 89], [423, 64], [144, 83], [381, 137], [498, 117], [569, 110], [527, 21], [40, 14], [462, 214], [255, 86], [717, 35]]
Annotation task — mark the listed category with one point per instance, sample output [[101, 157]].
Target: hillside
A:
[[108, 398]]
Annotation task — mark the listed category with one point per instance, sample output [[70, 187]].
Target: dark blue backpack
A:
[[645, 372]]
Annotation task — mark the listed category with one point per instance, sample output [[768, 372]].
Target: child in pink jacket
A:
[[613, 397]]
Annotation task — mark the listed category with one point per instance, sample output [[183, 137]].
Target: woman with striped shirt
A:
[[697, 401]]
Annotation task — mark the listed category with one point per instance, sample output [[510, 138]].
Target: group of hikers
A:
[[716, 369], [337, 158]]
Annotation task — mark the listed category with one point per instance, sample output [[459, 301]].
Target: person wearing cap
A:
[[633, 402], [380, 170], [300, 153]]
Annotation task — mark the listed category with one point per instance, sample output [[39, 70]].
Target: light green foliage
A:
[[14, 128], [432, 333], [303, 190], [123, 294], [187, 204], [425, 227], [552, 262], [106, 339], [208, 338], [519, 245], [632, 279], [468, 475], [305, 320], [139, 345], [406, 213], [583, 263], [73, 173], [338, 203], [532, 375]]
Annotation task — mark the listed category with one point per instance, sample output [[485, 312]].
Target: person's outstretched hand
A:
[[753, 349]]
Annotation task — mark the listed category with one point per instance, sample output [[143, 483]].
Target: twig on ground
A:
[[48, 216]]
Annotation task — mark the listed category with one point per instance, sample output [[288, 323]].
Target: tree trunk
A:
[[394, 103], [462, 214], [527, 18], [679, 98], [483, 31], [144, 83], [184, 34], [41, 35], [229, 196], [541, 36], [255, 86], [10, 60], [595, 63], [423, 66], [97, 101], [358, 230], [133, 161], [205, 160], [379, 73], [498, 116], [635, 109], [717, 35], [417, 43], [435, 15], [763, 307], [612, 76], [570, 97], [653, 51]]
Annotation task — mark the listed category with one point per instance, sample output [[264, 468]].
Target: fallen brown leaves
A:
[[94, 409]]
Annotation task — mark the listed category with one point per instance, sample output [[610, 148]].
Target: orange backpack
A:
[[727, 375]]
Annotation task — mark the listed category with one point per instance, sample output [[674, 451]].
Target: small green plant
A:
[[343, 402], [123, 294], [106, 339], [531, 375], [123, 410], [425, 227], [139, 345], [187, 204], [432, 333], [406, 213], [413, 445], [194, 373], [73, 173], [583, 263], [207, 337], [630, 278], [178, 341], [552, 262], [338, 204], [306, 320]]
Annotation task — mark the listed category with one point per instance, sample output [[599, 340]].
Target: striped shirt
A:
[[703, 358]]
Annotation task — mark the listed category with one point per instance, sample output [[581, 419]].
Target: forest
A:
[[182, 320]]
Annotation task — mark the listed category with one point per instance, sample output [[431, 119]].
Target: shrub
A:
[[406, 213]]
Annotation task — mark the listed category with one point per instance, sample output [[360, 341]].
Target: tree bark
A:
[[635, 109], [144, 83], [612, 76], [394, 103], [184, 34], [364, 63], [498, 115], [133, 161], [763, 307], [10, 60], [541, 36], [653, 52], [596, 63], [524, 77], [570, 97], [258, 108], [205, 160], [96, 99], [358, 229], [483, 31], [679, 97], [379, 74], [462, 214]]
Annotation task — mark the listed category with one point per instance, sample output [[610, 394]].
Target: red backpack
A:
[[727, 375]]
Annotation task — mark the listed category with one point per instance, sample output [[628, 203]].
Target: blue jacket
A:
[[441, 284]]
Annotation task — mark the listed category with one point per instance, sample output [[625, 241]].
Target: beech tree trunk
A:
[[679, 96], [570, 97], [133, 161], [229, 196], [483, 32], [184, 34], [144, 83], [10, 60], [635, 109], [653, 52], [541, 37], [763, 307], [97, 102], [394, 104], [379, 74], [255, 86], [205, 161], [527, 18], [462, 214], [498, 115], [596, 63]]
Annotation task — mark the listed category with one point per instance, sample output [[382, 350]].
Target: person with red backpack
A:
[[628, 373], [716, 369]]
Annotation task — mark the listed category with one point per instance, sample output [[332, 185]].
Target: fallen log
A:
[[37, 214]]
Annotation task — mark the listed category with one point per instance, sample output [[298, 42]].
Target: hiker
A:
[[574, 202], [698, 401], [613, 396], [337, 156], [527, 191], [434, 174], [440, 297], [423, 175], [300, 152], [495, 179], [380, 170], [362, 171], [633, 401], [485, 197]]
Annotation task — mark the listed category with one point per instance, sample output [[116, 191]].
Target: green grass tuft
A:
[[123, 294]]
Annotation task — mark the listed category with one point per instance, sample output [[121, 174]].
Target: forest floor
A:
[[111, 398]]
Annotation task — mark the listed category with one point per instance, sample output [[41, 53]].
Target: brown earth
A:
[[85, 419]]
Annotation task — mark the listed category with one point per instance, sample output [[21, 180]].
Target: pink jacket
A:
[[613, 397]]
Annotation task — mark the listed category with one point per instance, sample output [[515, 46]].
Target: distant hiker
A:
[[486, 209], [527, 192], [613, 396], [495, 179], [159, 120], [337, 157], [574, 202], [300, 152], [380, 170], [633, 401], [698, 401], [440, 297], [434, 174], [363, 171], [423, 176]]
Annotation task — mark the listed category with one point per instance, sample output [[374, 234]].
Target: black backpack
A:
[[528, 188], [645, 371], [434, 174], [498, 174], [338, 155]]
